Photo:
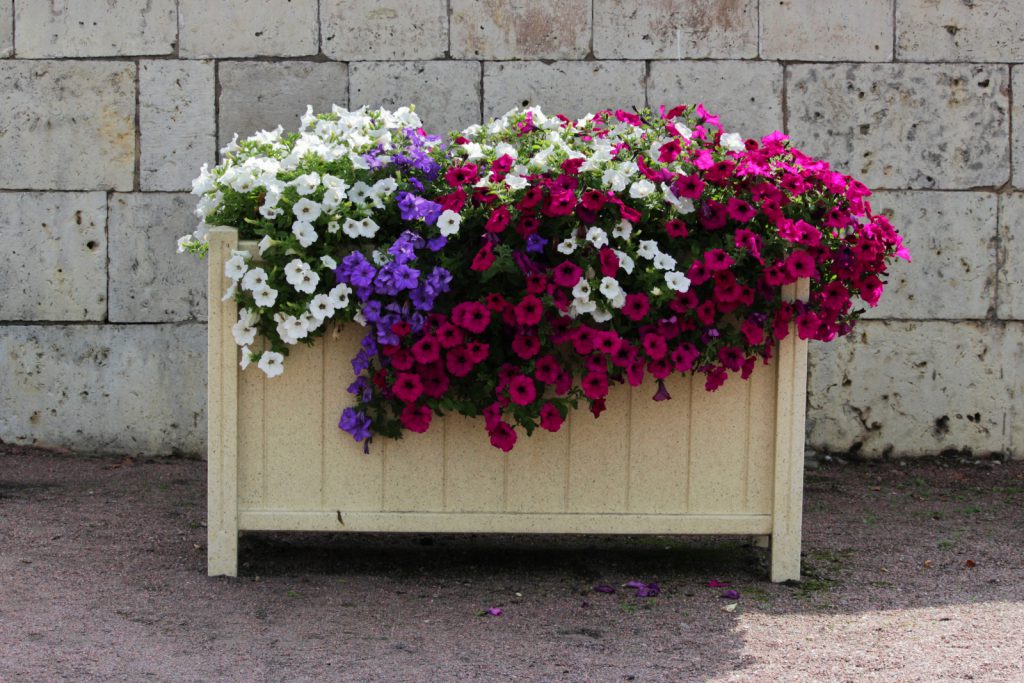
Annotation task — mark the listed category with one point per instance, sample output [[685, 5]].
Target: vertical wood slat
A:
[[414, 470], [787, 514], [252, 387], [659, 448], [718, 440], [761, 441], [352, 480], [598, 456], [474, 470], [222, 412], [294, 429], [536, 470]]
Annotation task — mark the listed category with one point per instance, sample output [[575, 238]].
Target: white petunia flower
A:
[[681, 204], [448, 223], [600, 315], [246, 357], [334, 183], [265, 244], [584, 306], [581, 290], [244, 334], [610, 287], [333, 227], [664, 262], [350, 227], [269, 208], [614, 179], [254, 279], [333, 198], [306, 184], [641, 189], [328, 262], [183, 242], [305, 232], [597, 237], [307, 210], [307, 282], [339, 295], [264, 297], [618, 301], [385, 187], [229, 293], [677, 281], [204, 183], [322, 307], [472, 150], [271, 363], [515, 182], [566, 246], [294, 328], [294, 269], [359, 318], [367, 228], [360, 193], [623, 230], [733, 142], [235, 267], [648, 249], [310, 321], [625, 261]]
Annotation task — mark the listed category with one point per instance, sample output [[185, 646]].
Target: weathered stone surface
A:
[[135, 389], [916, 388], [76, 118], [95, 28], [675, 29], [446, 94], [959, 30], [261, 95], [570, 88], [508, 29], [952, 239], [248, 28], [827, 30], [6, 30], [913, 126], [149, 281], [55, 258], [1011, 273], [747, 95], [176, 122], [1018, 133], [354, 30]]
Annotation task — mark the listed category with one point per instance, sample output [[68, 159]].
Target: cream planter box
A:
[[728, 462]]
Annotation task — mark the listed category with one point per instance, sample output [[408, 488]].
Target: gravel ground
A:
[[913, 572]]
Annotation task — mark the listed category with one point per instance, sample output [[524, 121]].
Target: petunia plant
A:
[[515, 270]]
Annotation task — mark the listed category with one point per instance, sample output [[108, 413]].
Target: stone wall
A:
[[108, 108]]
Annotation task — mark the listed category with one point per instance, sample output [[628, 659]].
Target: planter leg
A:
[[761, 541], [222, 552], [785, 558]]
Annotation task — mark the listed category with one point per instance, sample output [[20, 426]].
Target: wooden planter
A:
[[728, 462]]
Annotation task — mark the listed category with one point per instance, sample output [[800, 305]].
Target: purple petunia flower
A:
[[535, 244], [355, 423]]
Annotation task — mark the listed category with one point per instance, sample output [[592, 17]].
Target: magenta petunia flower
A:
[[407, 387]]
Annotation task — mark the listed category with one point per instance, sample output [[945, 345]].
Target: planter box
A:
[[728, 462]]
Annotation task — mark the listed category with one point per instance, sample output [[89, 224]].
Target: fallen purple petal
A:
[[715, 583], [730, 595], [651, 590], [603, 588], [494, 612], [635, 584]]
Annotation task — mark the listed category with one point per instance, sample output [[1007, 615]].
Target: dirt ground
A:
[[913, 572]]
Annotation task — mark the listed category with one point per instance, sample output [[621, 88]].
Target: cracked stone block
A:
[[1011, 272], [746, 95], [506, 29], [675, 29], [570, 88], [827, 30], [133, 389], [176, 122], [952, 240], [1018, 133], [55, 264], [357, 30], [959, 30], [248, 28], [76, 117], [149, 280], [446, 94], [6, 30], [915, 388], [95, 28], [905, 126], [261, 95]]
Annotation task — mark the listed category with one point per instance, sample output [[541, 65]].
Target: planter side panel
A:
[[700, 453]]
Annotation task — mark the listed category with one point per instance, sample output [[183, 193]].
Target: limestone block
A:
[[248, 28], [905, 126], [134, 389], [95, 28], [746, 95], [176, 122], [446, 94], [959, 30], [78, 120], [149, 281], [507, 29], [675, 29], [952, 239], [1018, 133], [55, 258], [570, 88], [260, 95], [6, 30], [915, 388], [827, 30], [356, 30], [1011, 272]]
